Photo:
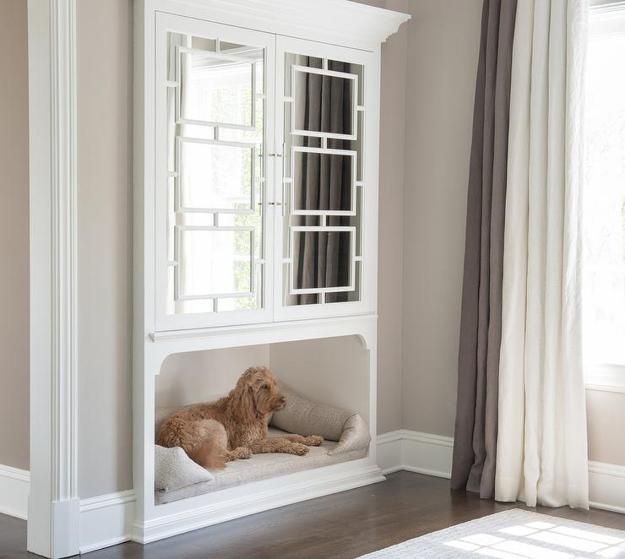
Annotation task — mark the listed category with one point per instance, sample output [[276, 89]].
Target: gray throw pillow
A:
[[173, 469], [304, 417]]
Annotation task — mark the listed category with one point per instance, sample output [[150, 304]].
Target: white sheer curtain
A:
[[542, 444]]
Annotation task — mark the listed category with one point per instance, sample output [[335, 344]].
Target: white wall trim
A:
[[351, 24], [107, 520], [607, 486], [414, 451], [432, 455], [266, 495], [53, 503], [606, 378], [14, 487]]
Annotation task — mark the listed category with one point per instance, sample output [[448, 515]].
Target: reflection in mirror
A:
[[323, 171], [215, 107], [317, 174], [216, 177], [324, 102], [218, 87], [217, 261], [325, 261]]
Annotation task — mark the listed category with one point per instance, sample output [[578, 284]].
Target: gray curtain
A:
[[475, 439], [325, 183]]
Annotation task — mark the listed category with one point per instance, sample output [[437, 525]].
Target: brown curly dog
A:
[[235, 426]]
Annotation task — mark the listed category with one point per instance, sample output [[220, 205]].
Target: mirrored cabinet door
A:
[[322, 122], [214, 102]]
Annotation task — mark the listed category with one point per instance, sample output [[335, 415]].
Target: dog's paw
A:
[[313, 440], [299, 449], [241, 453]]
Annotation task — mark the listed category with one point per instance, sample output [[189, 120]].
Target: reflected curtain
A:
[[323, 260], [475, 441]]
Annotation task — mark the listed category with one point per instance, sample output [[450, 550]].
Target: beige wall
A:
[[443, 47], [390, 276], [104, 245], [606, 421], [14, 247]]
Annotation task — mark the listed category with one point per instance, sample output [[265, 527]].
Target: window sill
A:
[[606, 378]]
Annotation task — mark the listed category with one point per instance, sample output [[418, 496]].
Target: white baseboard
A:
[[296, 488], [432, 455], [14, 487], [107, 520], [607, 486], [389, 452], [417, 452]]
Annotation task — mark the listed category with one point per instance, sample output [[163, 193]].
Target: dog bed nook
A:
[[255, 245], [346, 437]]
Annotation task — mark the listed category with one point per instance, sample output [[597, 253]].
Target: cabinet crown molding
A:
[[340, 22]]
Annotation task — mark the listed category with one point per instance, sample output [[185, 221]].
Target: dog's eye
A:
[[265, 386]]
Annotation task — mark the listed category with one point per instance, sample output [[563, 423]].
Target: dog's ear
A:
[[246, 379], [255, 377], [243, 398]]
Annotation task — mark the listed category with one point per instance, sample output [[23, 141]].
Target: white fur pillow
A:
[[173, 469]]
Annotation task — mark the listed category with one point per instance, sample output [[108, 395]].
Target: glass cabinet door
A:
[[212, 127], [322, 133]]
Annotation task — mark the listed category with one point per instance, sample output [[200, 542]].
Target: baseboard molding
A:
[[337, 479], [607, 486], [422, 453], [105, 520], [108, 520], [14, 488], [432, 455]]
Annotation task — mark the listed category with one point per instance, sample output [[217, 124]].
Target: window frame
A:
[[606, 377]]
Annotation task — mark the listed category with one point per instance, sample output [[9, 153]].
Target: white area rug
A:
[[513, 534]]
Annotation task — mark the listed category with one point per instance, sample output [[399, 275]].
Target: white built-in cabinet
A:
[[265, 176], [256, 195]]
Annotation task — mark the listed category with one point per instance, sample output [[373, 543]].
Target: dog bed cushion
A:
[[173, 469], [346, 437], [262, 466], [305, 417]]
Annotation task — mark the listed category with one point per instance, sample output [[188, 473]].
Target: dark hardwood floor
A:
[[345, 525]]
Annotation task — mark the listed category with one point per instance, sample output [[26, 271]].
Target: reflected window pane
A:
[[216, 176], [215, 130], [215, 262], [216, 90]]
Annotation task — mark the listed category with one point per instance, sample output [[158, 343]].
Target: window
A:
[[604, 200]]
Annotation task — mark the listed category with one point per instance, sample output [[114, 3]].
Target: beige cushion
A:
[[355, 436], [304, 417], [173, 469], [263, 466]]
